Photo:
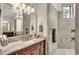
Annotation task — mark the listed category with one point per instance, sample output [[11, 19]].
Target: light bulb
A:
[[32, 10], [28, 7], [21, 16], [23, 6]]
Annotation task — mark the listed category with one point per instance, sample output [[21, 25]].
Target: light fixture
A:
[[28, 7], [19, 16], [24, 8]]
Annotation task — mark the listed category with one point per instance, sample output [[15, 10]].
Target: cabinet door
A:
[[35, 51], [28, 53], [42, 48]]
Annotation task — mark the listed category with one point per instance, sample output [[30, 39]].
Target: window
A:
[[19, 25], [67, 11]]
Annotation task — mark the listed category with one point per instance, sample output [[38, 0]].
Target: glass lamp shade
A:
[[22, 8], [21, 16], [32, 10], [28, 7]]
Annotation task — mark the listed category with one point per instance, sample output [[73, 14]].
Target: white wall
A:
[[52, 23]]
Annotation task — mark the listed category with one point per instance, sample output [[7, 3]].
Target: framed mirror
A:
[[12, 24], [16, 22], [33, 23]]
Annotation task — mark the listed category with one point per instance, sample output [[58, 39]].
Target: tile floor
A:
[[64, 52]]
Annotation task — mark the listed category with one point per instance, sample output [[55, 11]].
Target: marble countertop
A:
[[14, 46]]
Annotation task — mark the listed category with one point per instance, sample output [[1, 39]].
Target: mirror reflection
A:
[[16, 19]]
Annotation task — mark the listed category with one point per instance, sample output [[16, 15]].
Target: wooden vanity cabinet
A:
[[9, 34], [35, 49]]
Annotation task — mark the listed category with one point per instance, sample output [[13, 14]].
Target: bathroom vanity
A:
[[37, 46], [22, 35]]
